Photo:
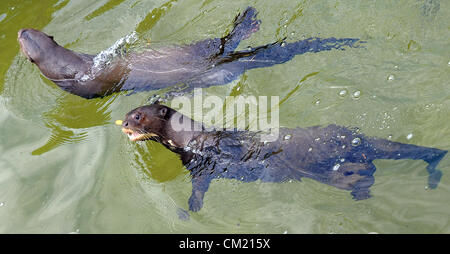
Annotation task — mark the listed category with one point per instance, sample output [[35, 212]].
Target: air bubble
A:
[[356, 94], [391, 77], [287, 137], [310, 149], [336, 167], [409, 136], [356, 142], [343, 93]]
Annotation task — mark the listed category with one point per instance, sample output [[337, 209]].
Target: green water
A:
[[65, 167]]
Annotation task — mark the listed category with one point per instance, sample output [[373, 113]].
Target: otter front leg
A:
[[357, 177], [200, 185]]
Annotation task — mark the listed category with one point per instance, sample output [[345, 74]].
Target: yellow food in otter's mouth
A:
[[136, 136], [119, 122]]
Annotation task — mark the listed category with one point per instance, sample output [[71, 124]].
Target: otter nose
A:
[[125, 124], [21, 32]]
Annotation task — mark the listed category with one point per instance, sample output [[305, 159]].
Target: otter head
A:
[[162, 124], [147, 122], [54, 61], [35, 44]]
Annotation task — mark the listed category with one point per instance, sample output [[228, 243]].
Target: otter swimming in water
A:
[[205, 63], [332, 155]]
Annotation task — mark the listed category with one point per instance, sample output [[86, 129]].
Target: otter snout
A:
[[21, 36], [21, 33], [35, 44]]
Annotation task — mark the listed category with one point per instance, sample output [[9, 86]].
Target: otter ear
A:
[[163, 111]]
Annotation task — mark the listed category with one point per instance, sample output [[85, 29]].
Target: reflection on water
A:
[[104, 8], [154, 16], [19, 14], [156, 162], [65, 167], [70, 114]]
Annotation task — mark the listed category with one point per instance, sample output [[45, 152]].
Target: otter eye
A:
[[137, 117]]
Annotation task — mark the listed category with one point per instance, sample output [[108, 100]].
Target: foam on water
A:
[[104, 58]]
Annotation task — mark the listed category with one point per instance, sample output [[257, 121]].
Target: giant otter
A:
[[332, 155], [201, 64]]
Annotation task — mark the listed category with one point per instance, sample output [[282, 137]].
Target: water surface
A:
[[65, 167]]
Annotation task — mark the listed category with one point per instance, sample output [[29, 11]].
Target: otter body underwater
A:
[[333, 155], [202, 64]]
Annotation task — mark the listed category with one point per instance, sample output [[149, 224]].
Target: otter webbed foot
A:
[[361, 188], [200, 185], [434, 174], [244, 25], [196, 201], [434, 178]]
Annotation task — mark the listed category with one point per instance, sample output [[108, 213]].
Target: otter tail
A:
[[385, 149]]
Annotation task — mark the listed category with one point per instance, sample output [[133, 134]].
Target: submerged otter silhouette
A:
[[202, 64], [333, 155]]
